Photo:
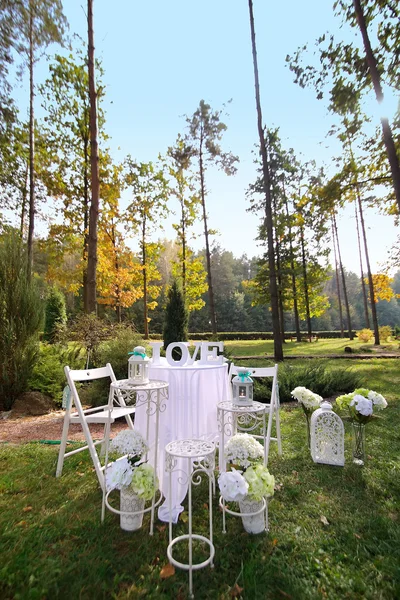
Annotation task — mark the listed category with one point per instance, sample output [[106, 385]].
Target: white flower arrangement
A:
[[306, 397], [130, 442], [362, 403], [233, 486], [255, 480], [243, 449], [128, 471]]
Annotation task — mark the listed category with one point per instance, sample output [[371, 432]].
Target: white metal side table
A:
[[234, 418], [200, 460], [152, 398]]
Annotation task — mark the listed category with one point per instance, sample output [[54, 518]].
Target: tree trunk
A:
[[370, 280], [94, 169], [278, 347], [346, 300], [279, 275], [294, 286], [144, 258], [85, 223], [337, 281], [208, 256], [364, 291], [183, 224], [24, 198], [305, 284], [31, 227], [376, 81]]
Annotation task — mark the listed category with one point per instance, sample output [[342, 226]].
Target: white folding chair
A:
[[272, 407], [100, 414]]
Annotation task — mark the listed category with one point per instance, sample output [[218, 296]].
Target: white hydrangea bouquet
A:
[[309, 401], [130, 471], [362, 404], [248, 476]]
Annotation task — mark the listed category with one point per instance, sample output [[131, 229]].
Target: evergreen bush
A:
[[55, 315], [176, 318], [318, 376], [21, 315], [48, 374], [115, 351]]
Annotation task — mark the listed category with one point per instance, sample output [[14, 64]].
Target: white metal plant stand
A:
[[151, 397], [200, 459], [233, 418]]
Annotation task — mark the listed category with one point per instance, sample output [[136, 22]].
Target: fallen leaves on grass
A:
[[167, 571], [236, 591], [27, 509], [324, 520]]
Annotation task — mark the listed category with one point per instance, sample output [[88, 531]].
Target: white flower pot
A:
[[254, 523], [131, 503]]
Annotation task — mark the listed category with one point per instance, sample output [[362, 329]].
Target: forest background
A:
[[313, 199]]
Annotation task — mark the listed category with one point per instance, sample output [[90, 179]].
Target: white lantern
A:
[[138, 366], [242, 388], [327, 436]]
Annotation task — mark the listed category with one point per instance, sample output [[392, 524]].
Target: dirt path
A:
[[20, 430]]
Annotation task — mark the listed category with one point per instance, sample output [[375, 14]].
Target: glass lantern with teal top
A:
[[138, 366], [242, 388]]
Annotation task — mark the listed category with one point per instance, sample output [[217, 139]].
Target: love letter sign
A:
[[207, 350]]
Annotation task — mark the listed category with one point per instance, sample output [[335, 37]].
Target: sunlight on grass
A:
[[334, 532]]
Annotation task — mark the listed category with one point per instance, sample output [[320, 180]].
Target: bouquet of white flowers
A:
[[306, 398], [362, 403], [309, 402], [130, 471], [254, 479]]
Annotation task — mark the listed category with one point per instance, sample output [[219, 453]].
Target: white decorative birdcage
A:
[[138, 366], [327, 436], [242, 388]]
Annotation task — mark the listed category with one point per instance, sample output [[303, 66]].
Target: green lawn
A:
[[321, 347], [334, 532]]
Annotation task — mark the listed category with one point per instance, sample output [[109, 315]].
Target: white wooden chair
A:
[[272, 406], [101, 414]]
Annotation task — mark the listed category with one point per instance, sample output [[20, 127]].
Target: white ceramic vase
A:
[[130, 503], [253, 523]]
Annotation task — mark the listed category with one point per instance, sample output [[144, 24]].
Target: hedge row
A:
[[253, 335]]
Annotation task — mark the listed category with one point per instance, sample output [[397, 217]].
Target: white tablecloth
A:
[[191, 412]]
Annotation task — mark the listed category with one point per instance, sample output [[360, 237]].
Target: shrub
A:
[[55, 315], [21, 312], [385, 333], [318, 376], [365, 335], [176, 318], [48, 374], [114, 351]]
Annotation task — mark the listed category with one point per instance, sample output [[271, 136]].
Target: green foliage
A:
[[48, 373], [176, 317], [21, 312], [55, 315], [114, 351], [318, 376], [353, 554], [365, 335], [385, 333]]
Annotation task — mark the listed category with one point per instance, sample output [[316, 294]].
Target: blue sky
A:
[[160, 58]]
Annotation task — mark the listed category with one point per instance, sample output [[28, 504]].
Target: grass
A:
[[323, 346], [334, 532]]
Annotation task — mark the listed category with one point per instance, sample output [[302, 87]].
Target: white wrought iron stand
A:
[[200, 459], [233, 418], [151, 397]]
